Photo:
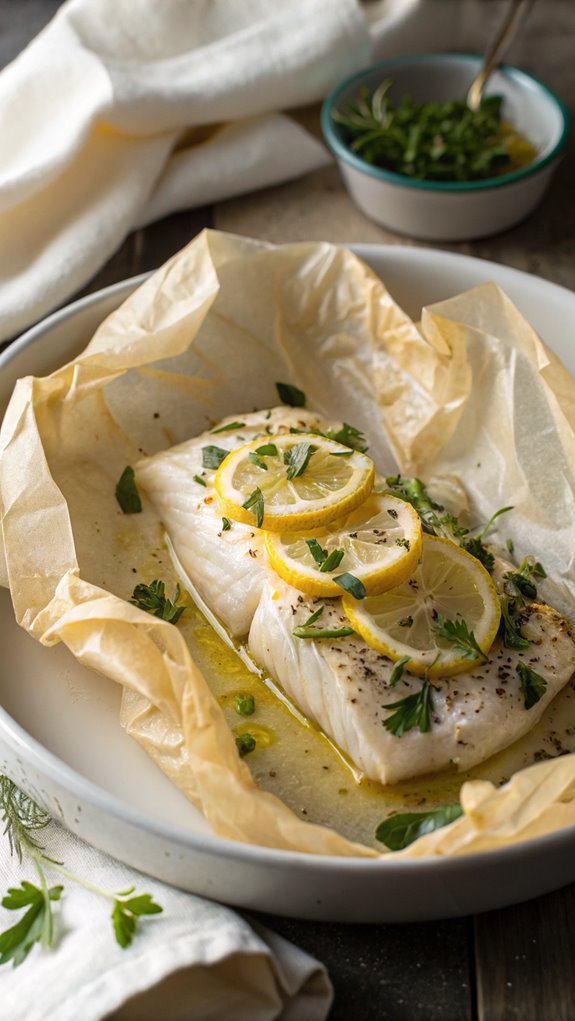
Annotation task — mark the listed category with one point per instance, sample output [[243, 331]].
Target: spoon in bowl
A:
[[515, 14]]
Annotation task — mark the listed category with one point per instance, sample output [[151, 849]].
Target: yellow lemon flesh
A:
[[448, 585], [379, 543], [292, 481]]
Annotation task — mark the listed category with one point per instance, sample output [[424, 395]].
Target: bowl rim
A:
[[342, 152]]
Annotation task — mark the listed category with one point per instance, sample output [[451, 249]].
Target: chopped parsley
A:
[[153, 599], [533, 686], [127, 493], [397, 672], [291, 395], [411, 711], [213, 456], [458, 633], [255, 503]]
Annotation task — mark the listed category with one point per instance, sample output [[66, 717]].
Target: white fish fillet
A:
[[226, 566], [343, 685]]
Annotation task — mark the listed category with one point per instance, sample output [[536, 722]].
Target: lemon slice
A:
[[292, 481], [379, 543], [403, 622]]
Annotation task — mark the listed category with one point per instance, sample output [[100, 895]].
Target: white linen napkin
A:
[[197, 959], [122, 111]]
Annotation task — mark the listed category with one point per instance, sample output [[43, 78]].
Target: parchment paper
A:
[[472, 395]]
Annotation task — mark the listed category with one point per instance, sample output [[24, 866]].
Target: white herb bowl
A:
[[445, 211]]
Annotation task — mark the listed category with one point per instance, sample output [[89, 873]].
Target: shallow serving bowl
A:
[[61, 740], [446, 211]]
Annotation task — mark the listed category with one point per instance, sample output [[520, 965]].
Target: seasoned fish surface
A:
[[343, 685], [225, 565]]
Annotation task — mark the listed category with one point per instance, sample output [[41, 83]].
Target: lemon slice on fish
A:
[[379, 543], [442, 620], [292, 481]]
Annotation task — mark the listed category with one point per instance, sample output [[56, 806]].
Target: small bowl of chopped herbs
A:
[[416, 159]]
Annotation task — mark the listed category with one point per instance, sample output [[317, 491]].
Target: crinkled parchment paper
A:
[[471, 395]]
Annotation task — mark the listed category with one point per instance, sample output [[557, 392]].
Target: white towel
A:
[[196, 959], [122, 111]]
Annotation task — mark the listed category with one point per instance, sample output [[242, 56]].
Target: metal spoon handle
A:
[[516, 12]]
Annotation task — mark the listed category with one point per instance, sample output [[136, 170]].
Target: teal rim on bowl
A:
[[341, 150]]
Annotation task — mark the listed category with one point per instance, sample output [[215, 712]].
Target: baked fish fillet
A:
[[226, 565], [343, 684]]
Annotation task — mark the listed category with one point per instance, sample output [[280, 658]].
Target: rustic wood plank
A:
[[414, 972], [524, 960]]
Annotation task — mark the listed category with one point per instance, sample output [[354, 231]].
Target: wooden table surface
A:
[[515, 963]]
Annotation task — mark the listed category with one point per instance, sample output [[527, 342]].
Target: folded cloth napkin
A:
[[122, 111], [196, 959]]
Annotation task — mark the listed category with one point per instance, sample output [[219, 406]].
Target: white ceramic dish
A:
[[444, 211], [60, 738]]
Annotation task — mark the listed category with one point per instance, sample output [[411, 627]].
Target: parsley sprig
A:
[[154, 600], [533, 686], [22, 819], [412, 711], [458, 634]]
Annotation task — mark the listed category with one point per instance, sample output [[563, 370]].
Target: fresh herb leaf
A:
[[35, 926], [433, 517], [199, 480], [341, 453], [297, 458], [458, 633], [397, 672], [332, 561], [213, 456], [255, 503], [255, 458], [153, 599], [512, 639], [520, 584], [533, 686], [125, 913], [228, 428], [314, 616], [401, 830], [127, 493], [22, 818], [245, 705], [411, 711], [348, 436], [267, 450], [245, 744], [304, 631], [434, 141], [510, 546], [289, 394], [349, 583], [479, 550], [318, 553], [226, 524]]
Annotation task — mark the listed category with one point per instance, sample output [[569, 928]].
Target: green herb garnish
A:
[[411, 711], [520, 583], [199, 480], [297, 459], [458, 633], [152, 599], [475, 545], [332, 561], [512, 639], [349, 583], [213, 456], [533, 686], [22, 819], [401, 830], [267, 450], [245, 744], [397, 672], [245, 705], [306, 630], [290, 394], [436, 141], [226, 524], [255, 503], [127, 493], [255, 458], [348, 436], [228, 428]]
